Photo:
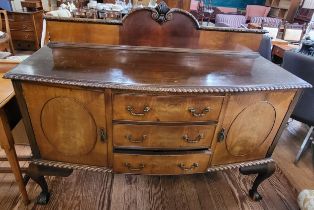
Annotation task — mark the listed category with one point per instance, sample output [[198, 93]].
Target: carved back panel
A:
[[156, 27], [162, 27]]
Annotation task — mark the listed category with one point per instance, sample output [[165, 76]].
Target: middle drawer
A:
[[163, 136]]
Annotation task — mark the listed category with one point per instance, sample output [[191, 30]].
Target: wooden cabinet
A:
[[160, 109], [69, 124], [26, 29], [284, 9]]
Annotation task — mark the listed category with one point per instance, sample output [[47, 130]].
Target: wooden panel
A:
[[251, 123], [161, 164], [218, 40], [161, 136], [180, 31], [82, 32], [166, 108], [67, 123], [78, 32]]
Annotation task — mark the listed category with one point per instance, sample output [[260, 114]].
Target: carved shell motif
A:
[[161, 13]]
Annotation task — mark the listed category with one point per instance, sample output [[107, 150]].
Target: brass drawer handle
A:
[[130, 168], [201, 114], [131, 111], [184, 168], [139, 140], [196, 140]]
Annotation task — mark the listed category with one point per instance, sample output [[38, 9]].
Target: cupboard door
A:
[[69, 124], [250, 125]]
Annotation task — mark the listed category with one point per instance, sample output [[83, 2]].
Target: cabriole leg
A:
[[37, 172], [264, 171]]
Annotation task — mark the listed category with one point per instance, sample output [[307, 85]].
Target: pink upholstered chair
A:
[[256, 11], [194, 5], [227, 9]]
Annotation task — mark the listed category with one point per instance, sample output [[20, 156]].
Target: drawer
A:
[[136, 107], [166, 164], [19, 17], [22, 35], [21, 26], [163, 136]]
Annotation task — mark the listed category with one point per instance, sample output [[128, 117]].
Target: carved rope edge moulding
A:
[[57, 164], [151, 88]]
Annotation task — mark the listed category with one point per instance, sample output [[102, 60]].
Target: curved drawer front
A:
[[187, 163], [163, 136], [166, 108]]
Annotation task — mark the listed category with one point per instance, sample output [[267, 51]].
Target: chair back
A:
[[302, 66], [256, 11], [272, 26], [265, 47], [293, 32], [310, 31], [4, 19], [234, 21]]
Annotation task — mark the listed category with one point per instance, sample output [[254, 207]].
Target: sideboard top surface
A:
[[154, 69]]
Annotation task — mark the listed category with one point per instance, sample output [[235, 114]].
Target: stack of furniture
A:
[[26, 29], [284, 9]]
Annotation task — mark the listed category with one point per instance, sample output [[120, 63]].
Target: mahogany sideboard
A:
[[157, 102]]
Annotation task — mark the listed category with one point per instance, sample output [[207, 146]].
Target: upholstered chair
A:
[[303, 66]]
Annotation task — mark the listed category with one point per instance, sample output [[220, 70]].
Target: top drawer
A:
[[176, 108]]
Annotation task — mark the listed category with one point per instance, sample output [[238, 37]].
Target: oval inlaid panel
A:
[[68, 126], [250, 128]]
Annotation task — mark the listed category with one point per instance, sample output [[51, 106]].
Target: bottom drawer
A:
[[161, 164]]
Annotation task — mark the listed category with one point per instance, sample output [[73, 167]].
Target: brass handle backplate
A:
[[221, 135], [196, 140], [200, 114], [184, 168], [130, 168], [102, 134], [139, 140], [131, 111]]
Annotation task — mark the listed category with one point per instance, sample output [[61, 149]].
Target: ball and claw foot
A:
[[264, 171], [255, 195], [43, 198]]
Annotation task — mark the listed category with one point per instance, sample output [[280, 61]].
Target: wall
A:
[[237, 3]]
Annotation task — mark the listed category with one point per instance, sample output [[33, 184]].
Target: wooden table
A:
[[9, 117], [280, 49], [172, 108]]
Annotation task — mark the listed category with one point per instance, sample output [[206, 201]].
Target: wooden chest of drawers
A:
[[26, 29], [153, 110]]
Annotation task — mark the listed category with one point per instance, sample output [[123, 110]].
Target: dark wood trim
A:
[[170, 89], [108, 102], [284, 123], [26, 119]]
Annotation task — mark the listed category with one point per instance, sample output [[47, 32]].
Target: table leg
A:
[[7, 143]]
